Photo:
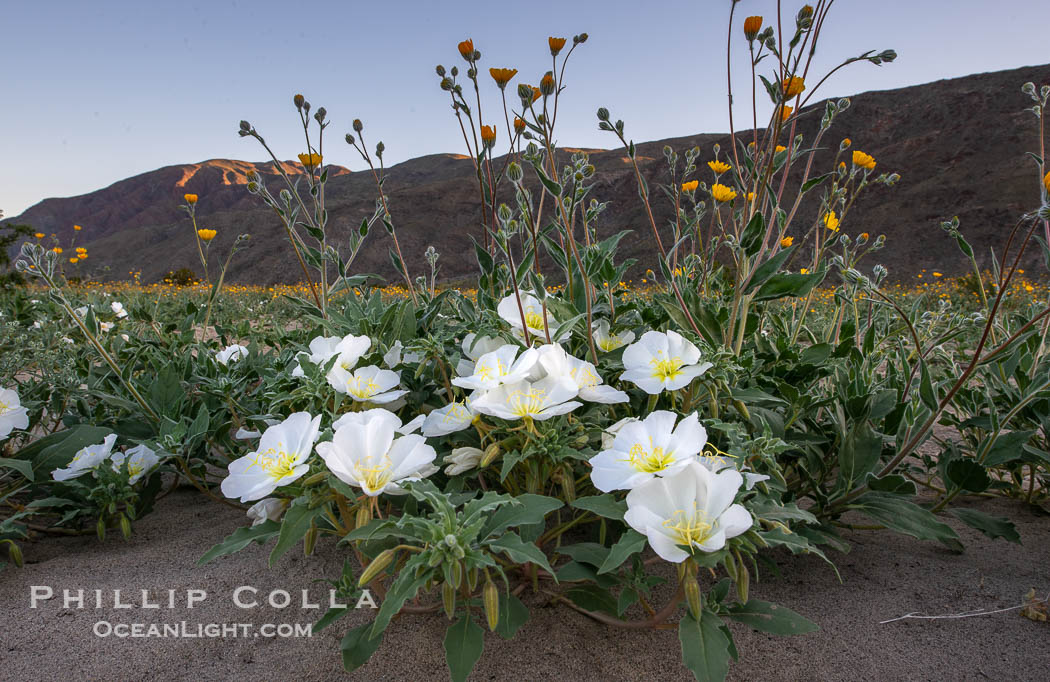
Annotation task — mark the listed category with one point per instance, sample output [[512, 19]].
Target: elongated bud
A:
[[298, 101], [457, 574], [14, 552], [731, 568], [472, 578], [742, 409], [436, 558], [100, 529], [568, 486], [316, 478], [491, 453], [448, 599], [377, 566], [743, 579], [310, 540], [358, 126], [364, 514], [692, 597], [125, 527], [490, 596]]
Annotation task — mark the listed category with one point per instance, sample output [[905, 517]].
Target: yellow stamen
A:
[[666, 369], [526, 403], [650, 461], [689, 528], [276, 462]]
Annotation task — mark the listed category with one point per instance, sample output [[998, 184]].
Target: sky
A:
[[94, 92]]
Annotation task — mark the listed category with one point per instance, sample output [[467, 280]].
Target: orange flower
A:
[[190, 198], [39, 235], [502, 76], [1046, 182], [846, 142], [750, 196], [793, 85], [519, 125], [864, 236], [466, 50], [206, 235], [721, 193], [779, 148], [718, 167], [831, 222], [752, 25], [804, 271], [310, 160], [74, 259], [785, 112], [786, 242], [547, 84], [863, 160], [77, 228], [488, 136], [690, 186], [57, 249], [555, 44]]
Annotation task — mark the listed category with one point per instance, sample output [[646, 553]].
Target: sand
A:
[[884, 576]]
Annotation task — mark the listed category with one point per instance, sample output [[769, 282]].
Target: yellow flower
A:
[[864, 236], [547, 84], [81, 249], [805, 271], [310, 160], [519, 125], [536, 94], [750, 196], [937, 274], [721, 193], [466, 49], [786, 242], [718, 167], [555, 44], [752, 25], [690, 186], [1046, 182], [863, 160], [785, 112], [190, 198], [39, 235], [488, 135], [57, 249], [831, 222], [205, 234], [1029, 288], [846, 142], [779, 148], [793, 85], [77, 228], [74, 259], [502, 76]]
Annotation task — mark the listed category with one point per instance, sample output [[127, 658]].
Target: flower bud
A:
[[440, 70], [556, 44], [491, 453], [448, 599], [488, 136], [568, 486], [692, 597], [743, 580], [310, 541], [457, 574], [472, 578], [349, 138], [100, 529], [245, 126], [377, 566], [320, 114], [752, 25], [547, 85], [490, 597], [364, 515], [299, 101], [125, 527]]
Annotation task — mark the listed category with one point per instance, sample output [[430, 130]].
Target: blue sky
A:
[[95, 92]]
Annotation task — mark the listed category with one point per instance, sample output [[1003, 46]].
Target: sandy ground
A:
[[884, 576]]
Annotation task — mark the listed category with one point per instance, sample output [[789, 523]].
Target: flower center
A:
[[584, 377], [526, 403], [610, 343], [362, 388], [533, 319], [666, 369], [688, 528], [276, 463], [134, 469], [4, 407], [650, 461], [374, 478], [457, 412]]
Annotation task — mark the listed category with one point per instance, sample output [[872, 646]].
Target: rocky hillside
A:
[[958, 144]]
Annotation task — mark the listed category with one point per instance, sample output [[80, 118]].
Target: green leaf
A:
[[296, 522], [22, 466], [593, 598], [330, 616], [992, 526], [404, 587], [904, 517], [586, 552], [772, 618], [967, 475], [859, 455], [789, 284], [768, 269], [241, 538], [630, 543], [525, 509], [1006, 448], [520, 551], [512, 615], [357, 647], [464, 642], [605, 506], [705, 648]]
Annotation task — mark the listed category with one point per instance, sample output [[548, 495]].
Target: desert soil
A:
[[884, 576]]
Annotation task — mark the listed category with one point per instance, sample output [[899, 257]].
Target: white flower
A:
[[394, 357], [245, 434], [269, 509], [86, 459], [645, 449], [106, 326], [82, 311], [230, 354], [366, 416], [692, 509], [12, 414], [474, 347], [609, 434], [366, 384], [501, 366], [462, 460], [453, 417], [118, 309], [37, 324], [365, 453], [716, 463], [280, 459], [610, 342], [68, 340], [125, 337], [555, 362], [540, 400], [322, 349], [662, 361], [508, 309], [140, 460]]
